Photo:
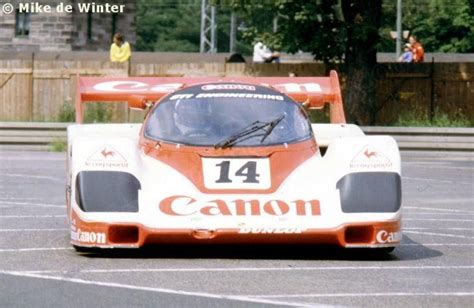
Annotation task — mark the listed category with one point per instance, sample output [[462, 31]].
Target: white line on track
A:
[[157, 290], [438, 219], [428, 166], [29, 204], [438, 244], [32, 158], [70, 248], [34, 249], [437, 209], [17, 198], [414, 214], [31, 216], [388, 294], [438, 234], [435, 228], [437, 181], [34, 230], [39, 177], [257, 269], [429, 163]]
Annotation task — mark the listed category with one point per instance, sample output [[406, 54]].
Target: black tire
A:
[[86, 249], [382, 253], [384, 250]]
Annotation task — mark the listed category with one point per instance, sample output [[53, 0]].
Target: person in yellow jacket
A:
[[119, 50]]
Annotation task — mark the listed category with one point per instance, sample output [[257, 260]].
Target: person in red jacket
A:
[[416, 49]]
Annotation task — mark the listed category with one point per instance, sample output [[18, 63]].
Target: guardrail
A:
[[427, 138], [31, 135], [40, 136]]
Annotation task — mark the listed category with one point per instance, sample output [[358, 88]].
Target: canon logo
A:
[[125, 86], [88, 237], [131, 86], [187, 206], [384, 237]]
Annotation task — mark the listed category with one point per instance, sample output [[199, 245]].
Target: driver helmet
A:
[[192, 116]]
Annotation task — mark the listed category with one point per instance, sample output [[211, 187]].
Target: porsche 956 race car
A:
[[228, 161]]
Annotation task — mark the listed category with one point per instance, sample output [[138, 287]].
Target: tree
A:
[[334, 31], [164, 25], [169, 25], [441, 25], [449, 28]]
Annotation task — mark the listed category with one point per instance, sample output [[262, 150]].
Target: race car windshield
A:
[[228, 118]]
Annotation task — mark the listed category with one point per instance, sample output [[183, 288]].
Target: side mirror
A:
[[137, 102]]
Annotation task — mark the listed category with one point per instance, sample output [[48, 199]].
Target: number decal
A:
[[236, 173], [224, 175], [249, 171]]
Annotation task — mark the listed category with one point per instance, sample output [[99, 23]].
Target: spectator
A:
[[407, 56], [262, 54], [119, 50], [416, 49]]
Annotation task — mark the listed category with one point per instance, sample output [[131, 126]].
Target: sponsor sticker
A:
[[299, 87], [88, 237], [128, 86], [106, 157], [189, 206], [370, 158], [271, 230], [241, 95], [232, 86], [386, 237]]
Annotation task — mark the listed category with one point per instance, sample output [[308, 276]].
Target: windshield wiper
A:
[[248, 132], [271, 125]]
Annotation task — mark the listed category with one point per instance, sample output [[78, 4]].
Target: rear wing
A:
[[314, 92]]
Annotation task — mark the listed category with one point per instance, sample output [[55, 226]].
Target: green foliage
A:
[[58, 145], [319, 115], [165, 25], [95, 113], [168, 25], [327, 29], [321, 27], [66, 113], [440, 25], [440, 119], [333, 31]]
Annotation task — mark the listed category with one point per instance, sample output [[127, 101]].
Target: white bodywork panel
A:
[[315, 179]]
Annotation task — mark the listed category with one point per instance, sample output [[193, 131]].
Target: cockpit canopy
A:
[[206, 115]]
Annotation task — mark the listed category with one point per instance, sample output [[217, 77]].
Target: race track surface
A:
[[433, 267]]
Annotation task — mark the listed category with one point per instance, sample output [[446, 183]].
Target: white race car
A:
[[229, 160]]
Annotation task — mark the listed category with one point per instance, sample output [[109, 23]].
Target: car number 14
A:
[[236, 173]]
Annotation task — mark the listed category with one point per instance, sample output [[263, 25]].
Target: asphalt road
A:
[[434, 265]]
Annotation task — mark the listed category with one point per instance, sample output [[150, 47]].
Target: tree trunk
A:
[[362, 19]]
